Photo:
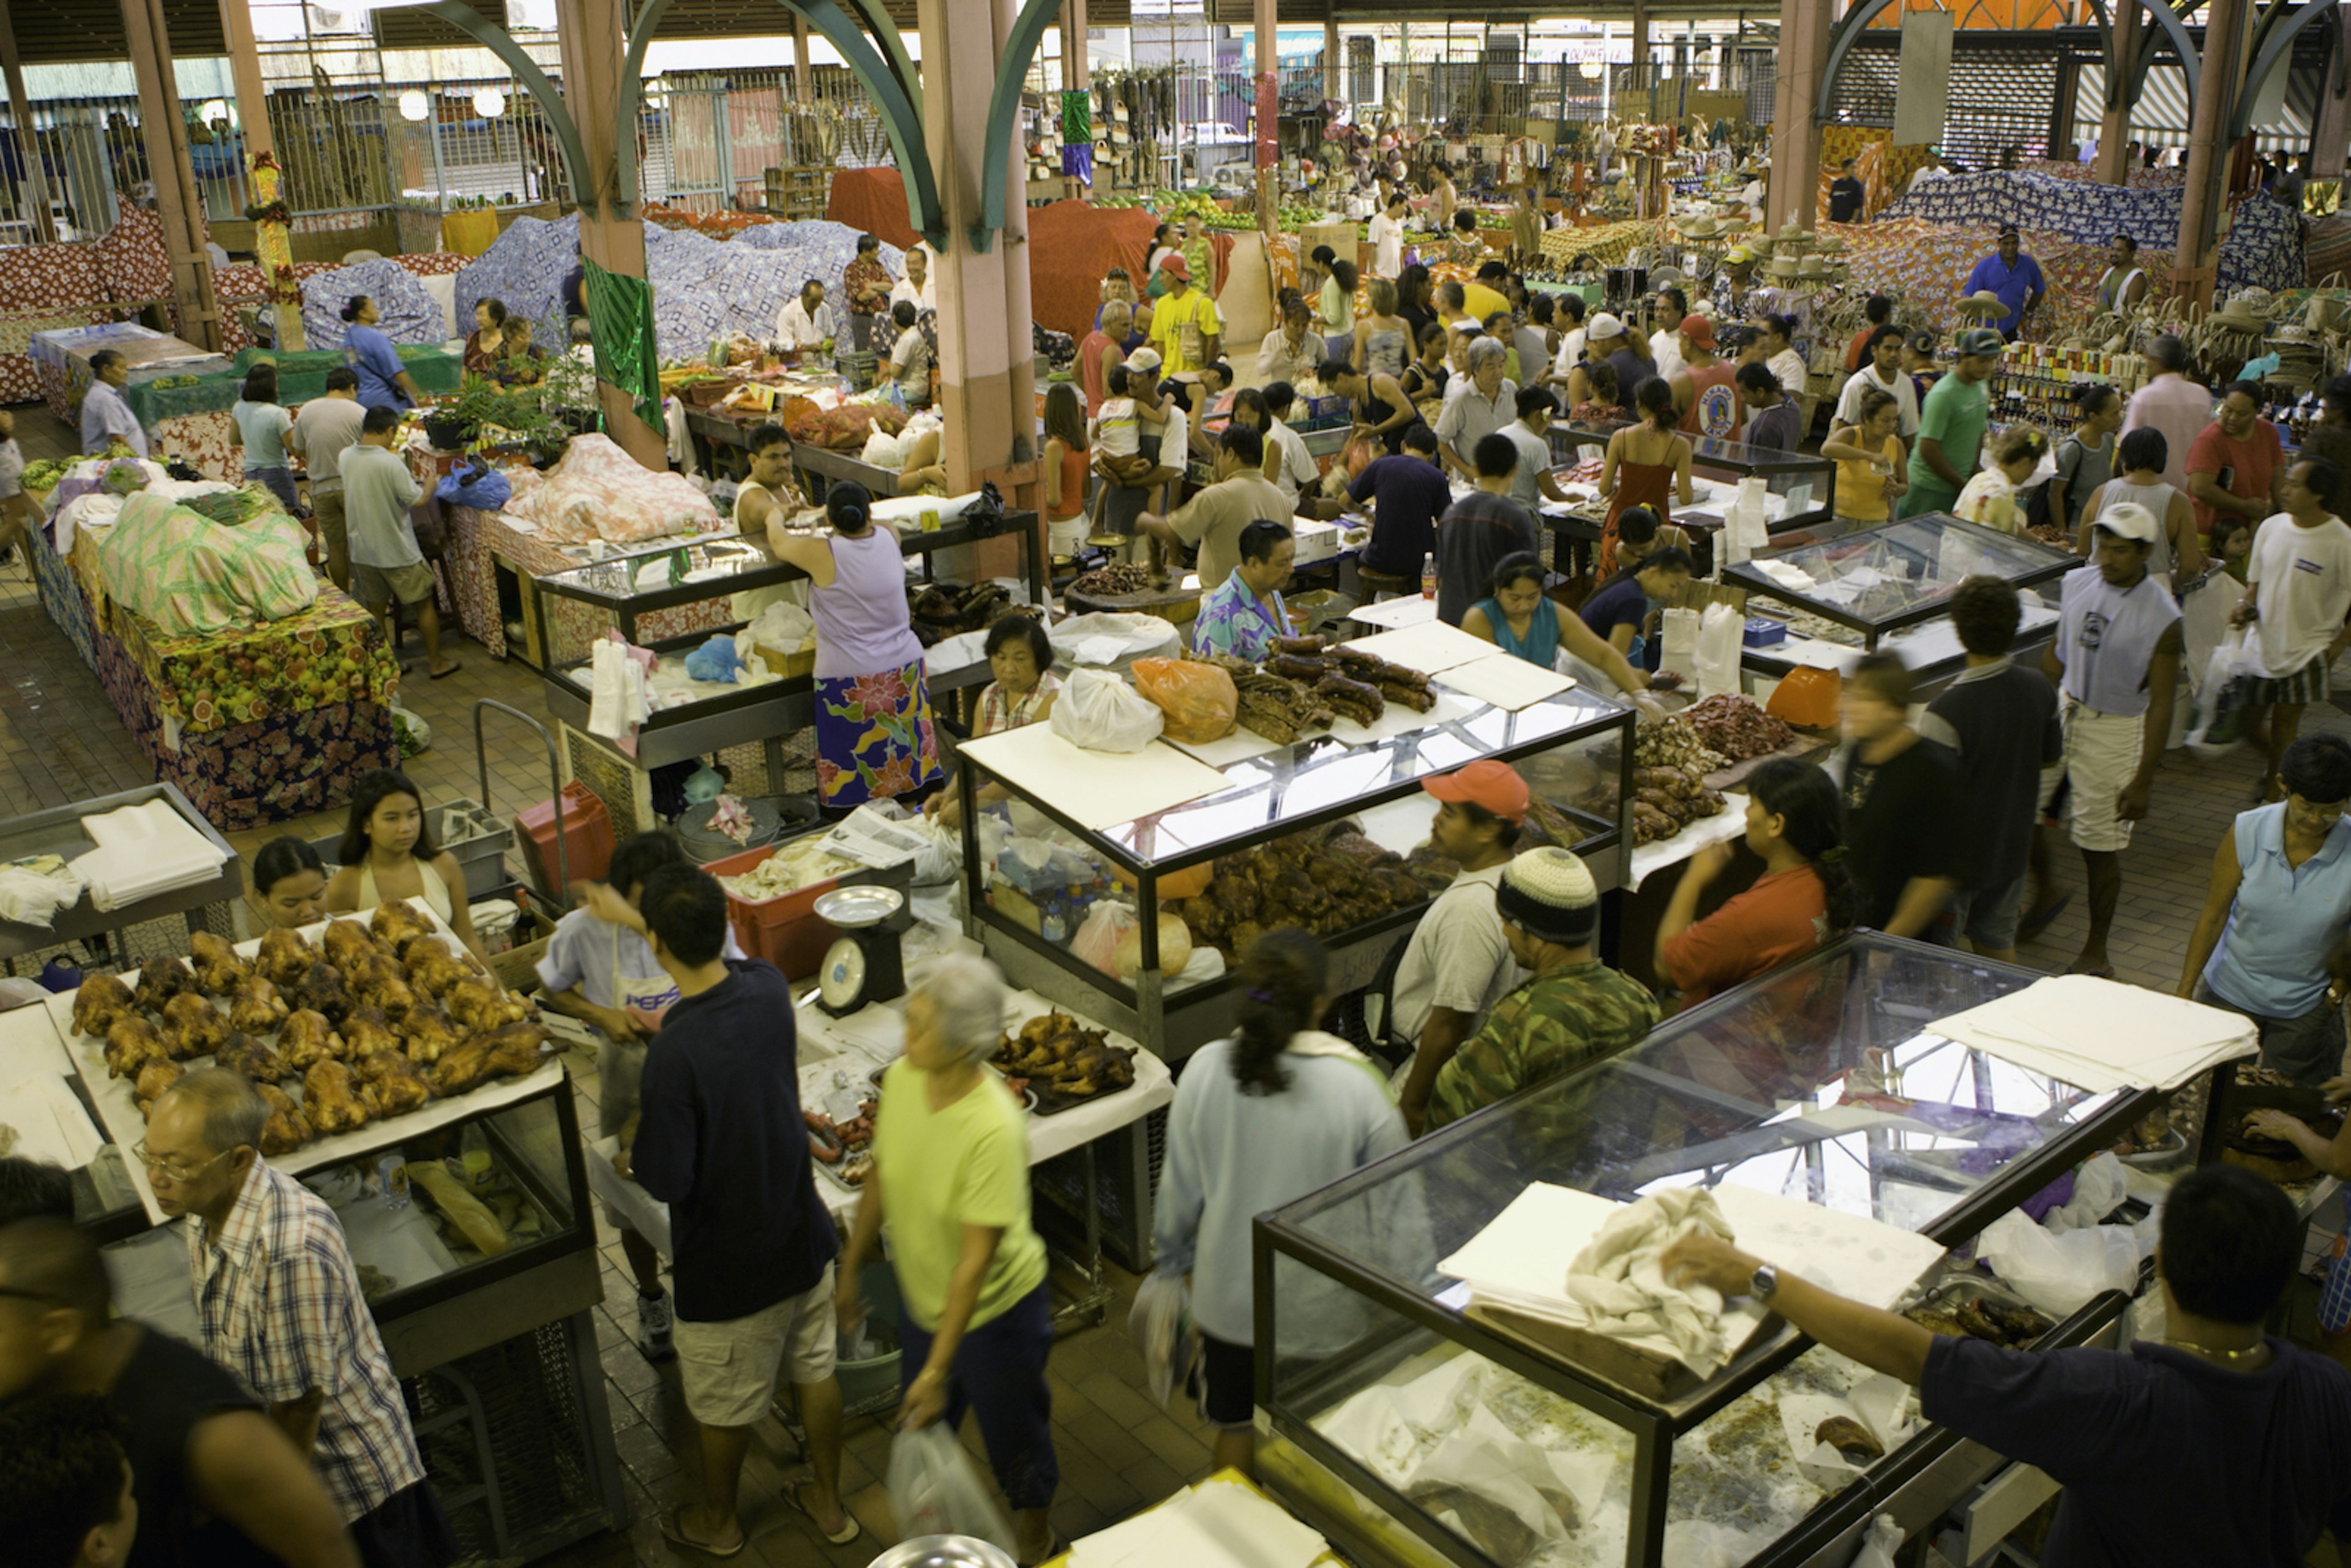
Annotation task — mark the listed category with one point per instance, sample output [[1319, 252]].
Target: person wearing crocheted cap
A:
[[1573, 1011]]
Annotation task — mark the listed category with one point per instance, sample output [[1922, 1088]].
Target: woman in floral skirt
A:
[[874, 732]]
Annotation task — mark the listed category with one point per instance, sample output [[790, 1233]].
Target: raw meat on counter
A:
[[1736, 729]]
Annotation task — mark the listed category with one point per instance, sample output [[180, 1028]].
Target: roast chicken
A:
[[193, 1026], [309, 1038], [152, 1081], [399, 1088], [288, 1129], [285, 957], [218, 968], [1061, 1056], [334, 1100], [162, 980], [366, 1032], [253, 1059], [132, 1043], [102, 999], [508, 1052], [429, 1032], [396, 921], [434, 970], [375, 981], [346, 942], [255, 1007], [480, 1007], [323, 992]]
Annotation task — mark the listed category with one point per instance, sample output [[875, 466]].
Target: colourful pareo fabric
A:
[[874, 736]]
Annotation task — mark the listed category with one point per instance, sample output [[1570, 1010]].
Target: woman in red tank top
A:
[[1648, 464], [1065, 453]]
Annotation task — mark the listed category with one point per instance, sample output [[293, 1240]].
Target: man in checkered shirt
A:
[[280, 1304]]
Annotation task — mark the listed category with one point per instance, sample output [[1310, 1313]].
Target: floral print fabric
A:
[[874, 737]]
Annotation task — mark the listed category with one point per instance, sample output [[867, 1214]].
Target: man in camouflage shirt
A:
[[1575, 1012]]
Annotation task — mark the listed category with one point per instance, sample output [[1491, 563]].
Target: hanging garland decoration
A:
[[273, 244]]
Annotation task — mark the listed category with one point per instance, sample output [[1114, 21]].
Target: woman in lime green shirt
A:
[[950, 1178]]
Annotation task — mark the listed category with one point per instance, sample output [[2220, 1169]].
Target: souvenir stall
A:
[[187, 414], [62, 359]]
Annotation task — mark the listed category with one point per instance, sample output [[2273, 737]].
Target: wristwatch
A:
[[1764, 1282]]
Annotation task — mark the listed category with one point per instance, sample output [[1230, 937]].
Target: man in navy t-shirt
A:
[[1409, 493], [2216, 1445]]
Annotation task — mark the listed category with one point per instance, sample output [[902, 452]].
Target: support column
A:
[[1795, 188], [593, 54], [803, 84], [2333, 134], [20, 106], [1077, 72], [987, 363], [1269, 121], [2113, 165], [177, 202], [1330, 49], [2195, 267], [1640, 39]]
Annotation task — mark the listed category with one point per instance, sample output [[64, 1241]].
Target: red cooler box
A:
[[587, 840]]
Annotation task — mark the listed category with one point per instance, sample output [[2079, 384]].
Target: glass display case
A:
[[1800, 487], [1331, 824], [1888, 587], [1818, 1083]]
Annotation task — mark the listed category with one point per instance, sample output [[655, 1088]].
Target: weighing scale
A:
[[864, 964]]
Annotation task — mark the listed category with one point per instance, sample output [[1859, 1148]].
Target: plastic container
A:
[[1762, 632], [872, 1384], [787, 931], [588, 841]]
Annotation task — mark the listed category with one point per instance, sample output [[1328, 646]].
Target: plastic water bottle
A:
[[1052, 924], [1428, 576]]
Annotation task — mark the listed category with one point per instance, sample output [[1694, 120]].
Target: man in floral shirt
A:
[[1243, 614], [866, 282]]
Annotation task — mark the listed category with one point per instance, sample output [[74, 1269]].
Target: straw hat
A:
[[1784, 265], [2238, 316], [1983, 302], [1666, 278], [1699, 228], [1813, 266], [1794, 235]]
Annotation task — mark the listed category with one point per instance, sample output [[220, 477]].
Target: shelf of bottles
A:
[[2040, 384]]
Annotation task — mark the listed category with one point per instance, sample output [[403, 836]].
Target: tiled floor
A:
[[59, 741]]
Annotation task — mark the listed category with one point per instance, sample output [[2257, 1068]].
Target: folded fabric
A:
[[143, 851], [1618, 1280]]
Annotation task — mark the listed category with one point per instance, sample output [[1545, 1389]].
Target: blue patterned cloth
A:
[[703, 288], [409, 313], [2263, 248]]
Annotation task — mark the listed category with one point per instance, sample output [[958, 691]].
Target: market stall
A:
[[187, 412], [449, 1146], [1414, 1359], [62, 357], [1796, 495]]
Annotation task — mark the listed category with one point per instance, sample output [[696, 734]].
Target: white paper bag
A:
[[1677, 644], [1720, 643]]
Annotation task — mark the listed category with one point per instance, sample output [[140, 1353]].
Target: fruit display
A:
[[1062, 1061], [1737, 730], [335, 1036], [1325, 881]]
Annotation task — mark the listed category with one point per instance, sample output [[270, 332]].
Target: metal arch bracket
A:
[[1848, 30], [2174, 28], [1004, 107], [900, 120], [2275, 51], [534, 81], [884, 32], [1842, 37]]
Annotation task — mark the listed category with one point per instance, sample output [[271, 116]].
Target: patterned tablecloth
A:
[[480, 542]]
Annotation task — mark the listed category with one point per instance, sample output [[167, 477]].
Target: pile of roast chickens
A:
[[375, 1021]]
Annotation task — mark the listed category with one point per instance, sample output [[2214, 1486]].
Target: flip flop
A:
[[673, 1529], [849, 1520], [445, 675], [2032, 925], [1060, 1547]]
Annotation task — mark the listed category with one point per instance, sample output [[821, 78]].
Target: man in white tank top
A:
[[768, 494], [2123, 286]]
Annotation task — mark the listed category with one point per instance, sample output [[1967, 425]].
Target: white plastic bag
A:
[[2058, 1273], [935, 1490], [1106, 926], [1102, 713], [1878, 1543], [1677, 644], [2222, 696], [2099, 1187], [1160, 1324], [1720, 639]]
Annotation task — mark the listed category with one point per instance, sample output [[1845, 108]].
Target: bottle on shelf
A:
[[1052, 923], [1428, 576]]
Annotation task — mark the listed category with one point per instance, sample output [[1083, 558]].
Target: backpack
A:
[[2038, 513]]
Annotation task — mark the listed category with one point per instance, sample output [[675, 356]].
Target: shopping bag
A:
[[2059, 1272], [935, 1490], [1101, 712], [1722, 642], [1160, 1324], [2224, 698], [1106, 925], [1199, 700]]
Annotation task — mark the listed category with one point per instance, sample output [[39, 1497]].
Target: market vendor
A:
[[874, 730], [106, 415], [1952, 427], [1132, 480], [1647, 465], [1020, 657], [1795, 824], [1213, 520], [385, 381], [804, 324], [768, 494], [910, 357], [1737, 282], [2124, 283], [387, 852], [1458, 964], [486, 345], [1481, 408], [1291, 352], [915, 287], [2014, 277], [1381, 407], [1243, 614], [1622, 609], [867, 284], [1573, 1013], [2217, 1443], [289, 884]]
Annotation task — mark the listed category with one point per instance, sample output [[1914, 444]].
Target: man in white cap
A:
[[1573, 1013], [1164, 437], [2116, 659]]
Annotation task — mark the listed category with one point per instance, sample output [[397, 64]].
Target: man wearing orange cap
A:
[[1458, 964], [1184, 324]]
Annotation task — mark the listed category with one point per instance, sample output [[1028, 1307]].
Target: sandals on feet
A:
[[673, 1529], [848, 1531]]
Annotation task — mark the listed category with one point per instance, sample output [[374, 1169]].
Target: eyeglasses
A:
[[162, 1166]]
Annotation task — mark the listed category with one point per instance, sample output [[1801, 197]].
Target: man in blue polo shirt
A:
[[2014, 277]]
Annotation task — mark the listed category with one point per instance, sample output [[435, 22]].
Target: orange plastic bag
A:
[[1359, 454], [1807, 698], [1198, 699]]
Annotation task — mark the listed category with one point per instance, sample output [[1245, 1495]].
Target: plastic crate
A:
[[588, 839], [786, 931]]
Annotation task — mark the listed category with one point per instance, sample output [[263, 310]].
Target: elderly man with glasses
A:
[[280, 1305]]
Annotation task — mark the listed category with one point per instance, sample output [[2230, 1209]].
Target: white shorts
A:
[[729, 1370], [2100, 757]]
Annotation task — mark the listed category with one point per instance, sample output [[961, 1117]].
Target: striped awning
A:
[[2159, 119]]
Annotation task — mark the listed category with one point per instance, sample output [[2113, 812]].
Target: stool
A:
[[1374, 583]]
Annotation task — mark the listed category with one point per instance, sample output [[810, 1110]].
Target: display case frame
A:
[[2052, 564], [1712, 457], [1653, 1423], [1173, 1024]]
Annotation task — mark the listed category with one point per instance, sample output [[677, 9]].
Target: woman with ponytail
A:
[[1796, 824], [1259, 1120], [873, 732], [1647, 464], [385, 381]]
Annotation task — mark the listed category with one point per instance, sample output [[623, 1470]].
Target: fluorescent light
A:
[[414, 105], [489, 103]]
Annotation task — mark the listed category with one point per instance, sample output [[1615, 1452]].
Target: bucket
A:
[[872, 1382]]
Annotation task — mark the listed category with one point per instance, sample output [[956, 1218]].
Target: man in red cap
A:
[[1184, 324], [1458, 964]]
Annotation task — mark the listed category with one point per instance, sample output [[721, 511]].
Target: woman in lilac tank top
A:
[[874, 732]]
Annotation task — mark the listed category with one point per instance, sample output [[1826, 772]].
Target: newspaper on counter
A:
[[872, 836]]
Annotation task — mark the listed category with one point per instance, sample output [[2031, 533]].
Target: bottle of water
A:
[[1428, 576], [1052, 925]]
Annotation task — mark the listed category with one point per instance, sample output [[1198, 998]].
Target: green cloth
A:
[[1077, 117], [942, 1170], [621, 322], [300, 377], [1562, 1020], [1955, 416]]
